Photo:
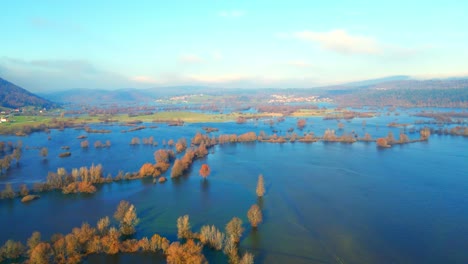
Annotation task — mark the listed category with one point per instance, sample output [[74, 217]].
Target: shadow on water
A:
[[255, 241], [260, 202]]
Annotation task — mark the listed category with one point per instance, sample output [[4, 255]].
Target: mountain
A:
[[378, 80], [13, 96], [95, 96]]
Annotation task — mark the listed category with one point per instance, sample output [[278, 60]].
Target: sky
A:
[[57, 45]]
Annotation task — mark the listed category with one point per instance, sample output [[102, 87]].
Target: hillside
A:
[[13, 96]]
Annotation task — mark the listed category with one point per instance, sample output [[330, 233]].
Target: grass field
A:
[[17, 123]]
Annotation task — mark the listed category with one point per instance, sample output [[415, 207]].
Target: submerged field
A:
[[324, 202]]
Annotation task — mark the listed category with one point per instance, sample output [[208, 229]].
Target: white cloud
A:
[[42, 75], [143, 79], [190, 58], [341, 41], [216, 78], [231, 13], [300, 64]]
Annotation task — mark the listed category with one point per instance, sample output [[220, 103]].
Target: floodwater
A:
[[324, 202]]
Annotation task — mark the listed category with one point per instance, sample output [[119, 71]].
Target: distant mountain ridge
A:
[[13, 96], [129, 95], [90, 96]]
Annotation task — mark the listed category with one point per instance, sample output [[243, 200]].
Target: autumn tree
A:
[[177, 169], [24, 190], [254, 215], [190, 252], [41, 254], [181, 145], [158, 242], [126, 215], [204, 171], [111, 242], [135, 141], [425, 133], [103, 225], [234, 229], [84, 144], [8, 192], [33, 241], [12, 249], [44, 152], [382, 142], [183, 227], [17, 152], [212, 236], [301, 123], [403, 138], [147, 169], [247, 258], [260, 186]]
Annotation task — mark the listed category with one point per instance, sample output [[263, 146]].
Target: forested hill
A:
[[13, 96]]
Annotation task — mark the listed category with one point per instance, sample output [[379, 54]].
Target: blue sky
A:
[[57, 45]]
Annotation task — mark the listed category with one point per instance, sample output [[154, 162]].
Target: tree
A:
[[254, 215], [33, 241], [126, 215], [41, 254], [181, 145], [84, 144], [183, 227], [204, 171], [260, 186], [135, 141], [425, 133], [17, 154], [234, 229], [147, 169], [103, 225], [189, 252], [12, 249], [8, 192], [212, 236], [44, 152], [130, 220], [121, 210], [177, 169], [247, 258], [301, 123], [24, 190], [382, 142]]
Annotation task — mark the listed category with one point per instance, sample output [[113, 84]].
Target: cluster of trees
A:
[[390, 140], [182, 165], [10, 152], [99, 144], [85, 240], [105, 238], [96, 131], [409, 94], [212, 237], [301, 123]]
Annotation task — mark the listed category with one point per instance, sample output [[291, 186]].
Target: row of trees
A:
[[107, 239]]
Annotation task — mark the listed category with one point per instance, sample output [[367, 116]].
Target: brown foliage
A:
[[204, 171], [41, 254], [84, 144], [260, 186], [189, 252], [301, 123], [79, 187], [382, 142], [147, 169], [255, 215]]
